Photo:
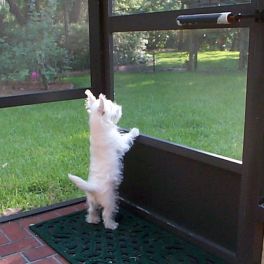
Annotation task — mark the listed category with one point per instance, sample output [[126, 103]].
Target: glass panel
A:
[[40, 145], [43, 46], [123, 7], [187, 86]]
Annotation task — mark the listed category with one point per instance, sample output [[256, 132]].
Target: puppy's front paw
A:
[[134, 132]]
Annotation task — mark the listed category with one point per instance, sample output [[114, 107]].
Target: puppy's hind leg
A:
[[109, 222], [109, 209], [93, 215]]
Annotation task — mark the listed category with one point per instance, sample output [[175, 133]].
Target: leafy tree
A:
[[72, 22], [21, 13], [54, 28], [33, 47], [124, 6], [160, 5], [139, 6]]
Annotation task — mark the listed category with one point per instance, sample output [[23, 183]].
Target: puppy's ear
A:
[[101, 108], [90, 99]]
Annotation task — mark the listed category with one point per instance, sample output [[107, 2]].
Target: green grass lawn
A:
[[187, 108], [41, 144], [203, 109]]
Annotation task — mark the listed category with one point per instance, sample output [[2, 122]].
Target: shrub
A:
[[78, 46], [130, 48], [33, 47]]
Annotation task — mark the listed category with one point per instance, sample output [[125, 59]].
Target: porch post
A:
[[250, 231], [101, 43]]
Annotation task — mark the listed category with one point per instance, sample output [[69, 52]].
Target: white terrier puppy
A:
[[107, 147]]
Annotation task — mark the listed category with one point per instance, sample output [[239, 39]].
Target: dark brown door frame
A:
[[250, 227]]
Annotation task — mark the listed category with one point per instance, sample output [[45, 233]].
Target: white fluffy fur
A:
[[107, 147]]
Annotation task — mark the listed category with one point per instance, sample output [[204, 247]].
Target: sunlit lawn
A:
[[187, 108], [207, 61], [40, 144]]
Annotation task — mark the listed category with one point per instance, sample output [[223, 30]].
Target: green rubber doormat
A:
[[135, 241]]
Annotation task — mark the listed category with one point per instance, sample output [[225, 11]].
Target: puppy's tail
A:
[[83, 185]]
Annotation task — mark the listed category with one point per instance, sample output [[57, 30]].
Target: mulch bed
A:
[[17, 88]]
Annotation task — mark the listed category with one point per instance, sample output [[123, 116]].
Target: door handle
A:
[[217, 18]]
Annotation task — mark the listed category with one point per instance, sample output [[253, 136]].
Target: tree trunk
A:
[[2, 24], [37, 6], [15, 10], [75, 12], [193, 51], [180, 44], [243, 49], [193, 43], [153, 61], [66, 23], [235, 41]]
